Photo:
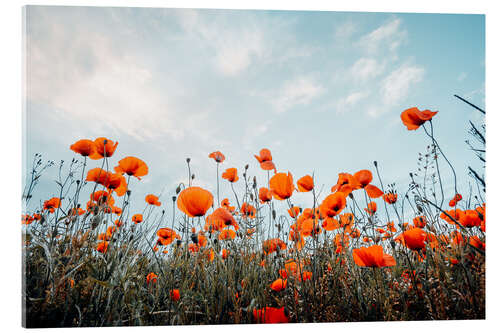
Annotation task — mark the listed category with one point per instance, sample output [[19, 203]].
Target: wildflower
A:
[[225, 254], [84, 147], [390, 198], [152, 200], [278, 285], [220, 219], [476, 242], [151, 277], [355, 233], [265, 195], [137, 218], [281, 185], [372, 208], [102, 247], [413, 118], [217, 156], [27, 219], [166, 236], [294, 211], [175, 295], [333, 204], [132, 166], [330, 224], [52, 204], [225, 204], [104, 148], [113, 181], [364, 178], [270, 315], [390, 226], [231, 175], [306, 275], [227, 234], [372, 256], [271, 245], [470, 218], [266, 160], [346, 183], [248, 210], [305, 184], [413, 238], [453, 213], [194, 201], [420, 221]]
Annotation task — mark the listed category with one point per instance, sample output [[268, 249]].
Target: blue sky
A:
[[322, 90]]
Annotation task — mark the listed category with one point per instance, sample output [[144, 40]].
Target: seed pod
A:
[[188, 160], [246, 167], [274, 214]]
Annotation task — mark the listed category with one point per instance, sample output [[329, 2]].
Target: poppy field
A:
[[363, 251]]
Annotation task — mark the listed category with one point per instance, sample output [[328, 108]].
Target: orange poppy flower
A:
[[373, 191], [454, 213], [413, 118], [390, 198], [248, 210], [225, 254], [151, 277], [27, 219], [271, 245], [217, 156], [306, 275], [231, 175], [281, 185], [420, 221], [305, 184], [175, 295], [372, 208], [278, 285], [294, 211], [84, 147], [104, 148], [363, 177], [333, 204], [270, 315], [355, 233], [194, 201], [476, 242], [132, 166], [52, 204], [227, 234], [102, 247], [452, 203], [220, 219], [330, 224], [152, 200], [372, 256], [413, 238], [113, 181], [265, 195], [470, 218], [390, 226], [346, 183], [193, 247], [137, 218], [225, 204], [264, 155]]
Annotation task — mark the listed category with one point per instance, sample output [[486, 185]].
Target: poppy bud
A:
[[179, 242], [188, 160], [128, 192], [351, 196], [251, 196], [192, 176], [78, 182], [420, 209], [174, 198], [246, 167], [194, 238], [274, 214], [375, 163]]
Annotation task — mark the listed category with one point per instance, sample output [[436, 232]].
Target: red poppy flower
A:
[[266, 160], [225, 204], [104, 148], [278, 285], [102, 247], [372, 208], [346, 183], [52, 204], [231, 175], [270, 315], [84, 147], [372, 256], [333, 204], [305, 184], [265, 195], [248, 210], [151, 277], [413, 118], [271, 245], [227, 234], [217, 156], [390, 198], [195, 201], [413, 238], [132, 166], [281, 185], [294, 211], [152, 200], [175, 295], [220, 219], [137, 218]]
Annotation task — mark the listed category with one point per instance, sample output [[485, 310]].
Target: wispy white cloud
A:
[[386, 37], [345, 31], [396, 86], [366, 68], [348, 103], [298, 91]]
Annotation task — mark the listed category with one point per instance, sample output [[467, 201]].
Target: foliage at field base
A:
[[361, 252]]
